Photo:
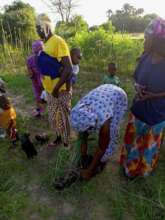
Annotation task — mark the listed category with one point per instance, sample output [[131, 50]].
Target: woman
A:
[[55, 66], [140, 152], [101, 110]]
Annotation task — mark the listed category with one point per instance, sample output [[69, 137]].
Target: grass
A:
[[26, 190]]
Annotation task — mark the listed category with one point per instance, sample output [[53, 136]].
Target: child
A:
[[8, 118], [76, 56], [111, 78], [34, 74]]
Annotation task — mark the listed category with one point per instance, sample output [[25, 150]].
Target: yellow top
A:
[[54, 47], [6, 116]]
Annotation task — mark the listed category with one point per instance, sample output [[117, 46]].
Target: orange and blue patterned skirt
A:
[[140, 152]]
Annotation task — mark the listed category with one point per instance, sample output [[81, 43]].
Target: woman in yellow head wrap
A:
[[55, 65]]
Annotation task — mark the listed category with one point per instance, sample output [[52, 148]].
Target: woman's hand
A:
[[55, 93], [150, 95], [147, 95], [139, 91], [64, 75], [30, 73], [104, 139], [86, 174]]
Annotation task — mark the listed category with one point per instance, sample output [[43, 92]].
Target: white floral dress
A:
[[103, 103]]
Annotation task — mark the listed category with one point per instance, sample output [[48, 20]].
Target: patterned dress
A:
[[103, 103], [143, 135], [140, 152], [58, 114]]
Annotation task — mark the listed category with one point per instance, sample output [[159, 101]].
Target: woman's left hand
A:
[[55, 93], [147, 95], [86, 174]]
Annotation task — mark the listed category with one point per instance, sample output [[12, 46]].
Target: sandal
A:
[[67, 180], [36, 113], [55, 143]]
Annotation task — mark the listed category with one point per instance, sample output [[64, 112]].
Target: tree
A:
[[16, 5], [94, 28], [108, 27], [139, 11], [69, 29], [18, 23], [63, 7], [129, 19], [109, 14], [128, 9]]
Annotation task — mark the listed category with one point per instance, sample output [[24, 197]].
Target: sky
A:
[[94, 11]]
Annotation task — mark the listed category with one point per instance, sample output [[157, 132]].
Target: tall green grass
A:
[[100, 48], [13, 54]]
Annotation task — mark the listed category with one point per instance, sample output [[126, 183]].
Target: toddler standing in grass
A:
[[34, 74], [111, 77], [76, 56], [8, 118]]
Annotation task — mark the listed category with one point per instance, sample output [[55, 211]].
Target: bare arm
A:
[[9, 129], [65, 74], [149, 95], [159, 95], [84, 144], [104, 139]]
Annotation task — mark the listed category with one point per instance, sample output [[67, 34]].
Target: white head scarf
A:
[[45, 24]]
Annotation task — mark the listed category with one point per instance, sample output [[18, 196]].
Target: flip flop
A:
[[52, 145], [36, 114], [55, 143]]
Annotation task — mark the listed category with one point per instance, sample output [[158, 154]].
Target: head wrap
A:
[[83, 118], [45, 24], [37, 46], [156, 28]]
